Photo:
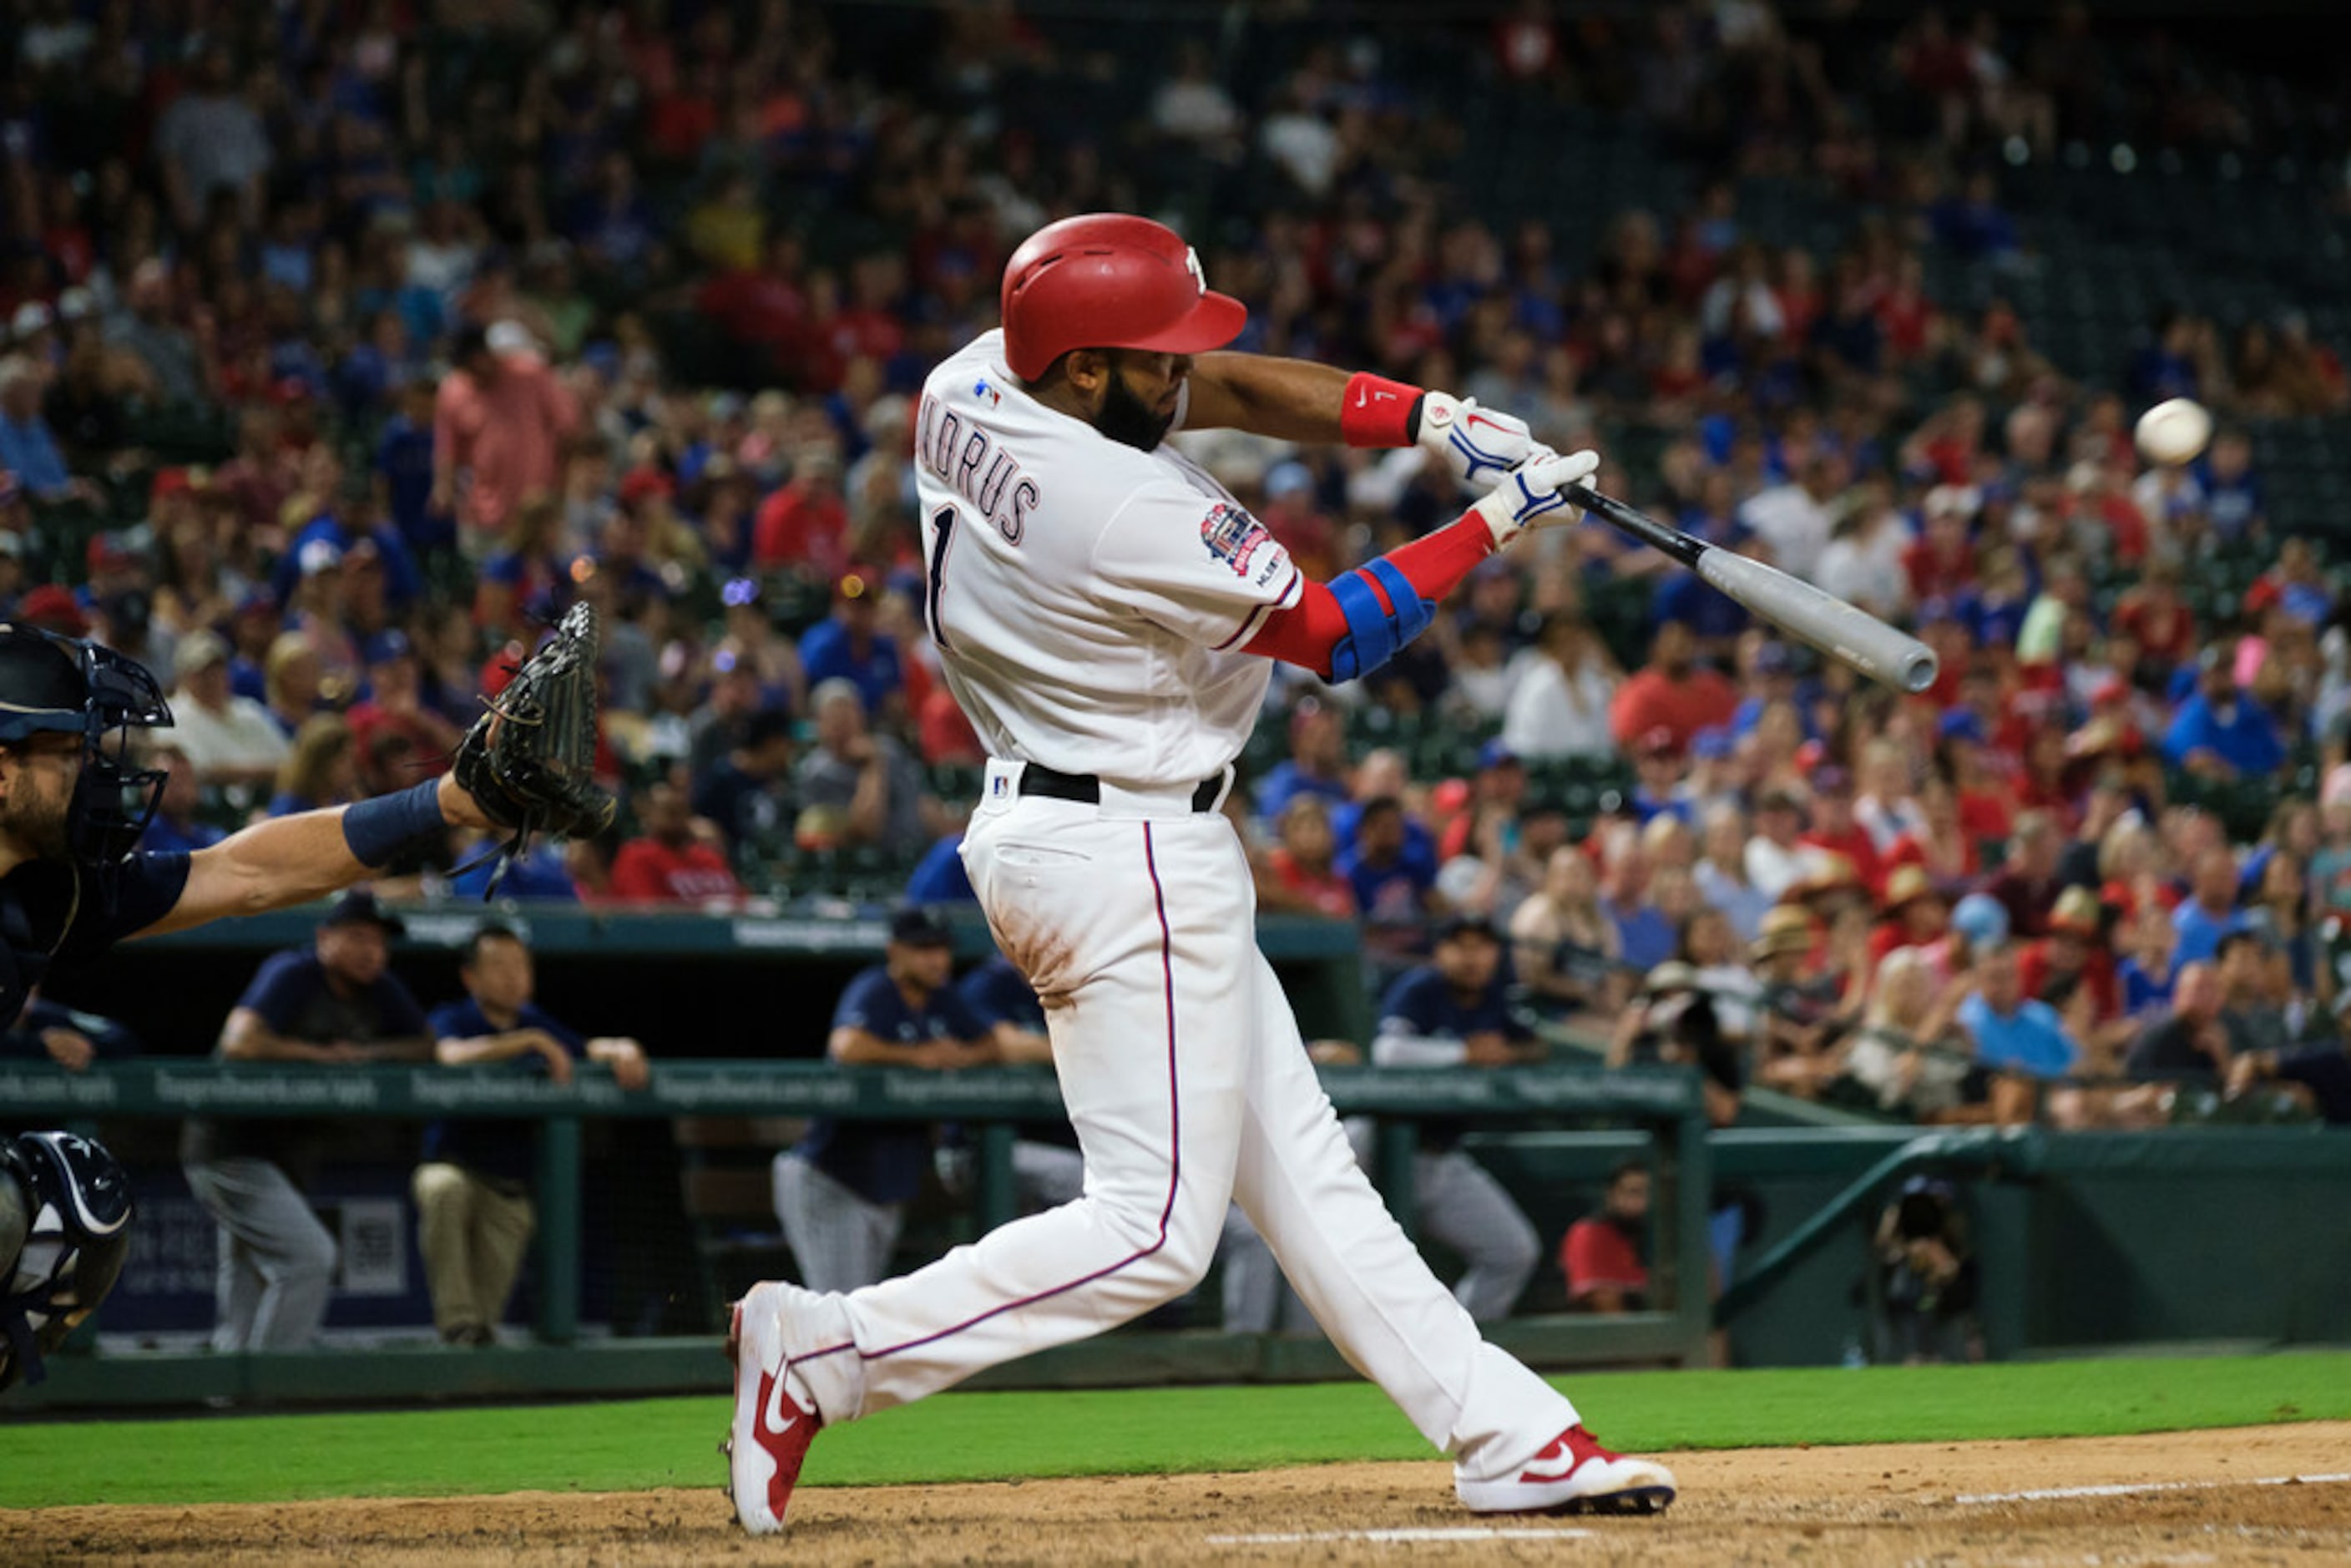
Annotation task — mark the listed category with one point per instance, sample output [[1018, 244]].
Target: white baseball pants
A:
[[1183, 1070]]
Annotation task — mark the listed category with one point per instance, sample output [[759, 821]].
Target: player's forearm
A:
[[399, 1048], [1398, 1049], [479, 1050], [1020, 1046], [1355, 624], [1287, 399], [293, 859], [862, 1047], [245, 1038]]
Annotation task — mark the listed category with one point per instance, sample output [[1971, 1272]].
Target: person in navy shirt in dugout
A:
[[841, 1192]]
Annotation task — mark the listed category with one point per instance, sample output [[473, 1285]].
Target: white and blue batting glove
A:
[[1528, 495], [1480, 445]]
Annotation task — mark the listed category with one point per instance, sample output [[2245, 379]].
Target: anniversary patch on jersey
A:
[[1234, 537]]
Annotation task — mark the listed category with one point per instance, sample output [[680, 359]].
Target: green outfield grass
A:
[[627, 1445]]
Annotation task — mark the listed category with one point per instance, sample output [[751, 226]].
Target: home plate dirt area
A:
[[2263, 1495]]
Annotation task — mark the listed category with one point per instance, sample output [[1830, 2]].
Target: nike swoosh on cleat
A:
[[772, 1407], [1531, 1474]]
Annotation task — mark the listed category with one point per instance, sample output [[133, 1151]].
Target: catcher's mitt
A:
[[526, 762]]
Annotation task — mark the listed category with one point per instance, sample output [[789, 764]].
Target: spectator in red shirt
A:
[[1941, 845], [2152, 614], [395, 707], [1942, 563], [1601, 1254], [2073, 960], [1987, 800], [1300, 874], [805, 524], [946, 735], [1916, 915], [498, 420], [2027, 883], [1672, 692], [1291, 516], [764, 308], [1836, 828], [673, 862], [2101, 493]]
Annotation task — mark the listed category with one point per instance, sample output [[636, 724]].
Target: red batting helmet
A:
[[1109, 280]]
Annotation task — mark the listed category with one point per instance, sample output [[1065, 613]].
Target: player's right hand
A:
[[1528, 498], [1480, 445]]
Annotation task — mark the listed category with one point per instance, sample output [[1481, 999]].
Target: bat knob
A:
[[1918, 671]]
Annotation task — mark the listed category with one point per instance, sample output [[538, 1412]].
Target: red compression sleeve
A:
[[1304, 633], [1378, 412]]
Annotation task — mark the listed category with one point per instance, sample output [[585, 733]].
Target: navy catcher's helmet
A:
[[58, 685], [64, 1230]]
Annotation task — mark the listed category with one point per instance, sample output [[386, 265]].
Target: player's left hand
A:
[[1478, 444], [1528, 498]]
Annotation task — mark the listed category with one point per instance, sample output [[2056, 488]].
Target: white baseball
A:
[[2174, 431]]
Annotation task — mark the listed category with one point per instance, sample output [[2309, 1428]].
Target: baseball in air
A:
[[2174, 431]]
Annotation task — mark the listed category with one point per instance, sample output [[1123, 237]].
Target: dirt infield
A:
[[2197, 1498]]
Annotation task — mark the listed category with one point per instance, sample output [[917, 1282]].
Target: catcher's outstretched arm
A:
[[294, 860]]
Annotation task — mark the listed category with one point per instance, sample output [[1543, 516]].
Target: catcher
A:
[[73, 804]]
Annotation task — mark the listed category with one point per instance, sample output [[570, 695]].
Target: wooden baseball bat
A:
[[1842, 631]]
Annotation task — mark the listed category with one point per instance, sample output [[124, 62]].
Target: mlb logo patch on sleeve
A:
[[1234, 537]]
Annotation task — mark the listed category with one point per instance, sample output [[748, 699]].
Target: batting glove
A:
[[1480, 445], [1528, 498]]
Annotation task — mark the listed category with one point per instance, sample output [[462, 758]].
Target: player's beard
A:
[[36, 821], [1129, 421]]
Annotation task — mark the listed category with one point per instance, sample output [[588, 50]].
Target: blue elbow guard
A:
[[1375, 630]]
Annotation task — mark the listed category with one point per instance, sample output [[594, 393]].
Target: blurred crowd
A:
[[348, 343]]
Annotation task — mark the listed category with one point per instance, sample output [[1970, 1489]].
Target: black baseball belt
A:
[[1086, 788]]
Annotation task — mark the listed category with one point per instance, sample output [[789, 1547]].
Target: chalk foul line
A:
[[2047, 1494], [1456, 1533]]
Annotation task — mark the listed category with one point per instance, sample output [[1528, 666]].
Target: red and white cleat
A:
[[772, 1430], [1573, 1475]]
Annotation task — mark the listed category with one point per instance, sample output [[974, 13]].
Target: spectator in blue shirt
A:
[[1394, 885], [1645, 935], [2221, 731], [939, 877], [174, 828], [474, 1213], [403, 473], [1451, 1013], [747, 792], [1972, 224], [2232, 491], [841, 1192], [848, 645], [28, 449], [2014, 1033], [1317, 763], [2210, 912]]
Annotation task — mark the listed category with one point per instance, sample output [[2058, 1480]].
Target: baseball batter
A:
[[1106, 614]]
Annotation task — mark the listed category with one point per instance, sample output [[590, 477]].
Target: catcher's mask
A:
[[62, 685], [64, 1230]]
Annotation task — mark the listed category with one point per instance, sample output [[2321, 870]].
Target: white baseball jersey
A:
[[1088, 600]]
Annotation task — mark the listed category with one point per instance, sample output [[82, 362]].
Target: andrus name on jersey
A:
[[969, 463]]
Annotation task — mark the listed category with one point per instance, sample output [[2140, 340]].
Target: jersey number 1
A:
[[943, 522]]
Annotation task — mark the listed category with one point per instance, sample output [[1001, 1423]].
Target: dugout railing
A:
[[1664, 1103]]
